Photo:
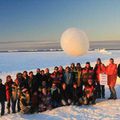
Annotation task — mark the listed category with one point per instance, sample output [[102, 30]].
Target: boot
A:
[[8, 110]]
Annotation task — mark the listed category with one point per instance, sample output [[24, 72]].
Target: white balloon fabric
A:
[[74, 42]]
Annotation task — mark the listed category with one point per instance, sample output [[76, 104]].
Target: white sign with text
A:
[[103, 79]]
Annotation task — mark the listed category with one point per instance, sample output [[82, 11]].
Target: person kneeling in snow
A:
[[89, 97], [76, 97], [55, 95], [25, 102], [65, 95], [45, 101]]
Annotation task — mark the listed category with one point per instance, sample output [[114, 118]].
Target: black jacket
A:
[[55, 94], [48, 80], [25, 82], [118, 70], [38, 77], [65, 94], [75, 94], [33, 85], [2, 93]]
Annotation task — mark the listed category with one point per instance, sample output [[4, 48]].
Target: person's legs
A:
[[18, 105], [98, 90], [8, 106], [2, 107], [113, 93], [103, 91], [13, 106]]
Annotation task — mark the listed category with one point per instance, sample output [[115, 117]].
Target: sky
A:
[[46, 20]]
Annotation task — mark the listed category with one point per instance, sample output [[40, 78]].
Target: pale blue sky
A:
[[39, 20]]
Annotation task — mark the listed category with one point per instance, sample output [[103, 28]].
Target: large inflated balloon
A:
[[74, 42]]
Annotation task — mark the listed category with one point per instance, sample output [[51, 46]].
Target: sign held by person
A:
[[103, 79]]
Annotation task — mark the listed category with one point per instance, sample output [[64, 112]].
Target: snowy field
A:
[[11, 63]]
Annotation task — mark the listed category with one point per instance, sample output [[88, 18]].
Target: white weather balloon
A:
[[74, 42]]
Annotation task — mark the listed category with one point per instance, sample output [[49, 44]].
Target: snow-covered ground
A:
[[18, 61], [103, 110]]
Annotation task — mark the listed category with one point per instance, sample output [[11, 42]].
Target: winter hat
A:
[[99, 59], [88, 63], [55, 68]]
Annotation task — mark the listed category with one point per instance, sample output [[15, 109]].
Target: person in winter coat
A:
[[25, 80], [111, 71], [65, 95], [72, 67], [55, 95], [39, 77], [61, 71], [87, 73], [25, 102], [79, 77], [76, 97], [45, 101], [68, 78], [8, 86], [33, 86], [19, 80], [99, 69], [14, 98], [73, 71], [89, 96], [56, 77], [19, 84], [78, 74], [2, 97], [48, 78], [43, 78]]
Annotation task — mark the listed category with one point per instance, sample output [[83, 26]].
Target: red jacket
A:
[[87, 74], [89, 91], [56, 76], [111, 71], [98, 70], [8, 86]]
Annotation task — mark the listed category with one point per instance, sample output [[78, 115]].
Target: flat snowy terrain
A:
[[104, 109]]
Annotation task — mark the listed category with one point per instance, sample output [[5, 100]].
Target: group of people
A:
[[42, 91]]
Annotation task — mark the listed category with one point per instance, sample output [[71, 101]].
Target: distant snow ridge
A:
[[34, 50], [103, 51]]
